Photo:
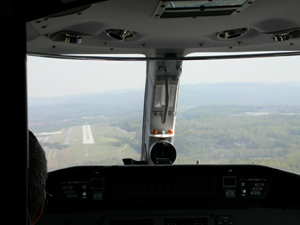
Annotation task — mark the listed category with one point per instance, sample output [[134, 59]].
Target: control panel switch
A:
[[225, 220]]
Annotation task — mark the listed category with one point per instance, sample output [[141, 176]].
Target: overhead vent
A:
[[119, 34], [232, 34], [68, 36], [202, 8]]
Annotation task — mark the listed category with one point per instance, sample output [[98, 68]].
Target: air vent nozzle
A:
[[120, 35], [232, 34]]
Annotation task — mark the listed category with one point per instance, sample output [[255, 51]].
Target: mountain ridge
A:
[[189, 95]]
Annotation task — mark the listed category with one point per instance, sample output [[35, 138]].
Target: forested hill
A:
[[130, 102], [192, 95]]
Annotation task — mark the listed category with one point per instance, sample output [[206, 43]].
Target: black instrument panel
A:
[[201, 186], [171, 193]]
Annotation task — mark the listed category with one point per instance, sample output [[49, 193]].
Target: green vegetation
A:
[[266, 135], [112, 144], [240, 135]]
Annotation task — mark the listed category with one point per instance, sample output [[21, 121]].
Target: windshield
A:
[[240, 111], [86, 112], [237, 111]]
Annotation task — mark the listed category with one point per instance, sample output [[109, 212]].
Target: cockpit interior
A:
[[230, 175]]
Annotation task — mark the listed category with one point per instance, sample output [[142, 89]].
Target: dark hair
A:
[[37, 175]]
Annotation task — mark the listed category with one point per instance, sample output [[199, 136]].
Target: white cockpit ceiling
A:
[[263, 19]]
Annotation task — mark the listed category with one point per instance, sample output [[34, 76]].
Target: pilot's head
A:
[[37, 175]]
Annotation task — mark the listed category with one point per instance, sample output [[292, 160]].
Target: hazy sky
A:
[[56, 77]]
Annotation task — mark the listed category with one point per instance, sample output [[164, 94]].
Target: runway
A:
[[87, 135], [68, 136]]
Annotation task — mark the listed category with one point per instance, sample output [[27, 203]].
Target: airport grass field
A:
[[111, 145]]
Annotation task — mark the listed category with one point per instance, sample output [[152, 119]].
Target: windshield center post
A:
[[161, 95]]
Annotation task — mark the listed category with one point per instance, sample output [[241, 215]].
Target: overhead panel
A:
[[204, 8]]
